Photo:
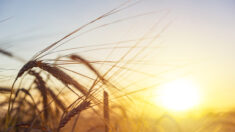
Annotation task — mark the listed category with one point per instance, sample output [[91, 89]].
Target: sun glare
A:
[[179, 95]]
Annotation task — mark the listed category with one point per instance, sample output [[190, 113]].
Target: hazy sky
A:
[[202, 30]]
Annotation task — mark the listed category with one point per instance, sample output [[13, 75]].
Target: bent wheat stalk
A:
[[63, 77], [41, 86], [85, 62], [54, 71], [77, 110]]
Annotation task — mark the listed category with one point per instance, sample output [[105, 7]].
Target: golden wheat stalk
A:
[[41, 86], [77, 110], [106, 110], [86, 63]]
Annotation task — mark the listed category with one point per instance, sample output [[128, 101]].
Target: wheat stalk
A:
[[54, 71], [86, 63], [106, 110], [41, 86], [77, 110]]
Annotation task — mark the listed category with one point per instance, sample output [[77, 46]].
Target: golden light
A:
[[179, 95]]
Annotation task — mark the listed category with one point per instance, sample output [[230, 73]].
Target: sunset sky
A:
[[201, 34]]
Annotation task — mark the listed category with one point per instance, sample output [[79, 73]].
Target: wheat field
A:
[[97, 76]]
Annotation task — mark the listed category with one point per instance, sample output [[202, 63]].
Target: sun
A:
[[179, 95]]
